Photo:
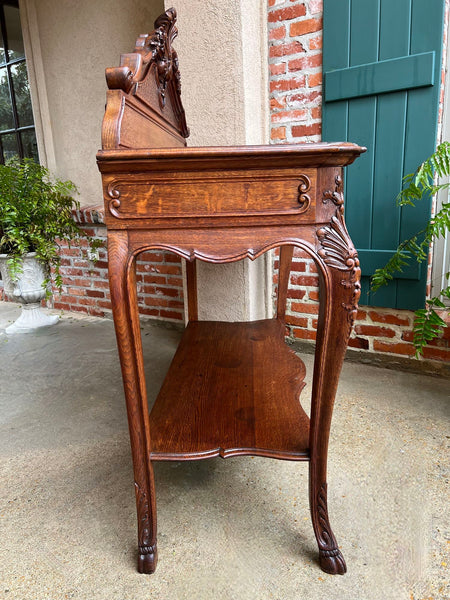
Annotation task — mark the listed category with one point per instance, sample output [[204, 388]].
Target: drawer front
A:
[[229, 194]]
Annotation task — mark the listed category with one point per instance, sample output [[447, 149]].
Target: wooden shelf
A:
[[232, 389]]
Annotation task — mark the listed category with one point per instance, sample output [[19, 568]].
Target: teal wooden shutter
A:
[[382, 70]]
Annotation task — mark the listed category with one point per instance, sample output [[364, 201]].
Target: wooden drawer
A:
[[193, 195]]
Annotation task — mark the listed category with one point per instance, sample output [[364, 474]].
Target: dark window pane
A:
[[15, 99], [22, 94], [6, 114], [13, 32], [2, 49], [9, 145], [29, 144]]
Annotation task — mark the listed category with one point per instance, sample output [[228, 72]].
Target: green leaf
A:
[[427, 324], [35, 212]]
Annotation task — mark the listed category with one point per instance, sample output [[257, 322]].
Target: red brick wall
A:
[[295, 63], [85, 282]]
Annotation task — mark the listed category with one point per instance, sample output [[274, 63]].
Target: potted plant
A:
[[35, 212]]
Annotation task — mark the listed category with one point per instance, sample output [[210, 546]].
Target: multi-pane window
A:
[[17, 134]]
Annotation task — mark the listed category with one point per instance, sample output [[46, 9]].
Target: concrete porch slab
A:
[[236, 529]]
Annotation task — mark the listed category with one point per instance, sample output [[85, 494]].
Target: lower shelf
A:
[[232, 389]]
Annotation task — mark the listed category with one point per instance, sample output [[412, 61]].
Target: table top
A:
[[226, 157]]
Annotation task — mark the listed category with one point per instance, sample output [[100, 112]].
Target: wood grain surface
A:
[[232, 389]]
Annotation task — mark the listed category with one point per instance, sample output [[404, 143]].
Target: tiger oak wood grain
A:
[[284, 270], [233, 388], [191, 285]]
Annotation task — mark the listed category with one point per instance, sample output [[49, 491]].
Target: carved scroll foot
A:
[[330, 557], [148, 559], [332, 562]]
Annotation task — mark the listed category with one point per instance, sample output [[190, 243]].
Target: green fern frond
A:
[[385, 274], [428, 325], [439, 224], [421, 183]]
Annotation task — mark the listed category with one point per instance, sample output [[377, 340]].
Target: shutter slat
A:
[[384, 96], [406, 72]]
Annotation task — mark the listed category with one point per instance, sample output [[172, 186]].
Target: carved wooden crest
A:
[[145, 87], [157, 48]]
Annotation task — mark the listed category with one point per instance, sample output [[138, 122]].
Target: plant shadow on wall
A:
[[428, 324], [35, 214]]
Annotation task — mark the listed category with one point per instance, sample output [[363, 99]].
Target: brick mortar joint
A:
[[292, 3], [90, 215]]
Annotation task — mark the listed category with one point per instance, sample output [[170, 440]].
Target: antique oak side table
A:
[[233, 388]]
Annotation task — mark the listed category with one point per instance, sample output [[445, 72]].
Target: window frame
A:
[[8, 63]]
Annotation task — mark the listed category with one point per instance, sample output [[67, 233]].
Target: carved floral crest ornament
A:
[[162, 54], [153, 51]]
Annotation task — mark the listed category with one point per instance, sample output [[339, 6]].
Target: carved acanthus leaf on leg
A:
[[330, 557], [147, 551], [338, 252], [143, 516]]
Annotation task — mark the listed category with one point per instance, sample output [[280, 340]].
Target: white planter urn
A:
[[27, 290]]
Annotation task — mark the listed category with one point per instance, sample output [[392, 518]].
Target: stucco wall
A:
[[222, 47], [223, 62], [69, 44]]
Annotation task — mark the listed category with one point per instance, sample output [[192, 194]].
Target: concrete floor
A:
[[232, 530]]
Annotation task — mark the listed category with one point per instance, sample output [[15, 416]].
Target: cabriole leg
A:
[[126, 321], [339, 290]]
